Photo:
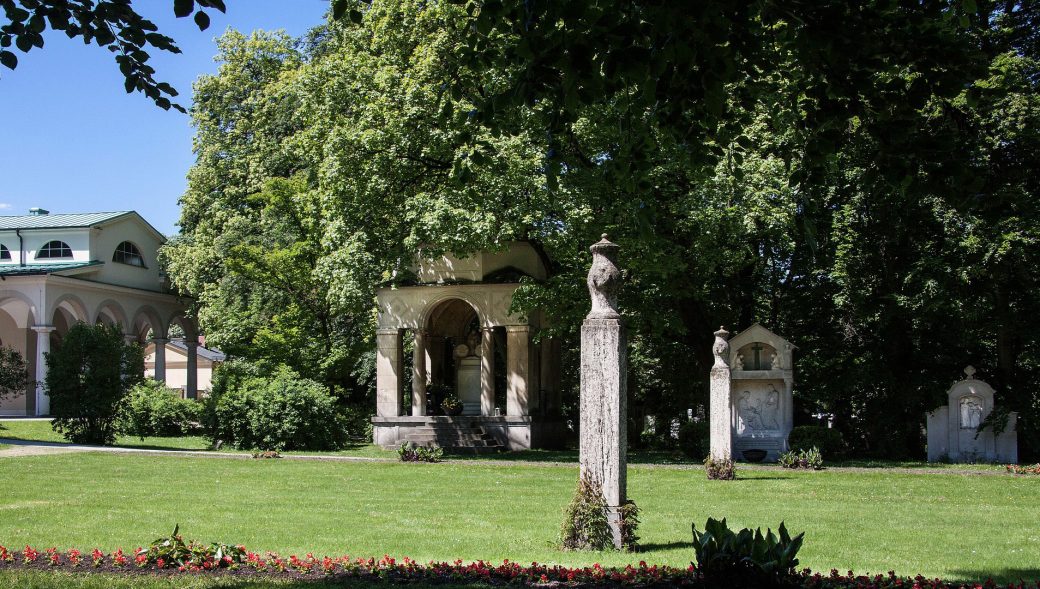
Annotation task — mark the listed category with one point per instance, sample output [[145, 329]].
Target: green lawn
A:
[[949, 525]]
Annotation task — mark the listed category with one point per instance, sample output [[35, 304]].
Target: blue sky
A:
[[72, 140]]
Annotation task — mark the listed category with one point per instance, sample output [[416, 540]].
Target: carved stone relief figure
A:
[[971, 412], [775, 362], [771, 411], [749, 413], [739, 364]]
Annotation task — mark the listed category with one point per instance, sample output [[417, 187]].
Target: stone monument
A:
[[953, 429], [603, 386], [719, 403], [751, 393]]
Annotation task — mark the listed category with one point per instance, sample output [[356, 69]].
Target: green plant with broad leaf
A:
[[173, 551], [745, 558]]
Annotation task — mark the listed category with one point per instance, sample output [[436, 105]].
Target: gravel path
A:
[[31, 448]]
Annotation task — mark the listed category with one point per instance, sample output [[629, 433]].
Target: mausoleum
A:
[[466, 341]]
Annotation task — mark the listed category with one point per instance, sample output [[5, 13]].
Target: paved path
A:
[[35, 448]]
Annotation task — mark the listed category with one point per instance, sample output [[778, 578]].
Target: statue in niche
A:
[[739, 364], [971, 412], [470, 348], [774, 363]]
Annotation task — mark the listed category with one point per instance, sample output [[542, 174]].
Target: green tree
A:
[[14, 375], [88, 375]]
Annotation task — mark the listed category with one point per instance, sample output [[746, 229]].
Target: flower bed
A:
[[236, 560]]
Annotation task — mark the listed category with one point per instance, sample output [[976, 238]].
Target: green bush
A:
[[283, 412], [410, 452], [807, 459], [87, 377], [745, 558], [151, 409], [695, 439], [585, 525], [827, 440], [14, 374]]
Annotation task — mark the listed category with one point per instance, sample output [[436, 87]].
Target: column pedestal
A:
[[159, 372]]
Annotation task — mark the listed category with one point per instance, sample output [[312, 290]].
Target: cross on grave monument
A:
[[604, 364]]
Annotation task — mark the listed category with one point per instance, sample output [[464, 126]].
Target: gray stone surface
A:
[[721, 416], [604, 364], [953, 428]]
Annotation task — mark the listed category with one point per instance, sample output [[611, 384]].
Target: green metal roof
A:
[[37, 269], [58, 221]]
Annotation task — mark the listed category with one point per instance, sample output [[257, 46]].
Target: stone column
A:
[[487, 371], [518, 369], [389, 361], [545, 366], [720, 410], [604, 368], [43, 347], [788, 410], [159, 372], [192, 378], [419, 374]]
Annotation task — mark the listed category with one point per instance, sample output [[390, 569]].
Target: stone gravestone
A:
[[752, 406], [603, 385], [953, 428]]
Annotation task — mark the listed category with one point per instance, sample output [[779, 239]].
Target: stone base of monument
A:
[[475, 432]]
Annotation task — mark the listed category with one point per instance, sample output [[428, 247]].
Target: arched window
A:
[[127, 253], [54, 249], [5, 254]]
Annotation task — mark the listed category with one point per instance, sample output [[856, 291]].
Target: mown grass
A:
[[949, 525]]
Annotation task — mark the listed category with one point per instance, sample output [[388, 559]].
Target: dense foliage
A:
[[14, 374], [88, 375], [151, 409], [827, 440], [860, 180], [281, 412]]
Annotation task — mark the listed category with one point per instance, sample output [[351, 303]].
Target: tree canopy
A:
[[859, 177]]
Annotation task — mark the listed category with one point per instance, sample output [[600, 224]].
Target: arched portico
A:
[[465, 340]]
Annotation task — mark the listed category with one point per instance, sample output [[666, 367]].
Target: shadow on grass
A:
[[655, 546], [1030, 575]]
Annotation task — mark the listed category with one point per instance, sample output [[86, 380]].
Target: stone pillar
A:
[[487, 371], [192, 378], [159, 372], [419, 374], [720, 409], [518, 369], [545, 385], [788, 410], [43, 347], [604, 368], [389, 362]]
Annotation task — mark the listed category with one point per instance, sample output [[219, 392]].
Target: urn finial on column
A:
[[721, 348], [604, 279]]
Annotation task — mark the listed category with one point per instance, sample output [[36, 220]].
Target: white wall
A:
[[33, 240], [104, 245]]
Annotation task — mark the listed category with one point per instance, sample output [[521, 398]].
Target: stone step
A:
[[446, 442]]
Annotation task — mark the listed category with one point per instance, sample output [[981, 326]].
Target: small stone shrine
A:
[[604, 366], [953, 429], [752, 410]]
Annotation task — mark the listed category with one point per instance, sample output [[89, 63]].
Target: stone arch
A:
[[112, 313], [72, 306], [19, 307], [187, 324], [146, 319], [441, 303]]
